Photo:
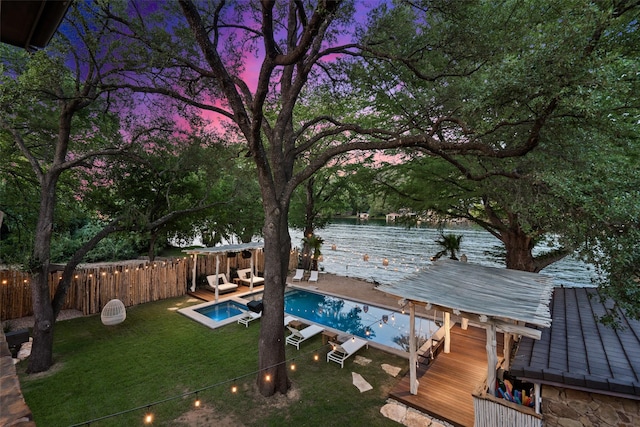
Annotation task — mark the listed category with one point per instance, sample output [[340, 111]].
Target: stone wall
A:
[[13, 409], [563, 407]]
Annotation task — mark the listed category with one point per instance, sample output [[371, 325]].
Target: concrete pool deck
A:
[[349, 287]]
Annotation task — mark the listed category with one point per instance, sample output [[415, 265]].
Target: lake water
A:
[[409, 249]]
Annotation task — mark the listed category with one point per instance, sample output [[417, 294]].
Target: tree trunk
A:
[[151, 249], [41, 357], [273, 377], [519, 248]]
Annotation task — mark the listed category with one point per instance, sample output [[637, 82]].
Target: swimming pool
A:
[[385, 327], [379, 325], [223, 310]]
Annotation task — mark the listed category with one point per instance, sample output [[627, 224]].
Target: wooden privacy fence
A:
[[92, 286], [133, 282]]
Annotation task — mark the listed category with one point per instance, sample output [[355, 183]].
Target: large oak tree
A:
[[248, 64]]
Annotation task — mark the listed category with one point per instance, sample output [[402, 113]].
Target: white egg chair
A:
[[113, 313]]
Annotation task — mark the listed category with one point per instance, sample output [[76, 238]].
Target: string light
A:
[[148, 417]]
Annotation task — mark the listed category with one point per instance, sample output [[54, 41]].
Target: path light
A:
[[148, 417], [385, 262]]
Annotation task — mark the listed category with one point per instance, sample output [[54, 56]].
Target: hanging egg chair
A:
[[113, 313]]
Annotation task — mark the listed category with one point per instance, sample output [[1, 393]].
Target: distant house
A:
[[391, 217], [589, 373], [364, 216]]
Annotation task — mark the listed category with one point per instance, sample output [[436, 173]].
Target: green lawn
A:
[[158, 354]]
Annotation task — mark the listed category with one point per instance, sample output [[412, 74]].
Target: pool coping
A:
[[191, 312]]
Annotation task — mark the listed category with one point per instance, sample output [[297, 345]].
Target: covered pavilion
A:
[[217, 250], [497, 299]]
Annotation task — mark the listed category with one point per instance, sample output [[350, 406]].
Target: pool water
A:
[[379, 325], [223, 310], [382, 326]]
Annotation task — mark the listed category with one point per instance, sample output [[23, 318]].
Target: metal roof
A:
[[226, 248], [30, 24], [472, 288], [580, 352]]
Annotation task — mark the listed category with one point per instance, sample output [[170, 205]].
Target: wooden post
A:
[[492, 357], [251, 266], [193, 277], [464, 323], [217, 272], [447, 332], [537, 397], [507, 350], [413, 380]]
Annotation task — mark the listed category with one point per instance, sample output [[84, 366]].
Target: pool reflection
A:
[[380, 325]]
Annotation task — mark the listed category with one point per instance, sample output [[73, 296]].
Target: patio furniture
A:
[[225, 286], [249, 317], [299, 275], [245, 277], [314, 276], [342, 352], [113, 313], [298, 337], [289, 319]]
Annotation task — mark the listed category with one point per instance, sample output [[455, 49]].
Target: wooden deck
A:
[[447, 383], [209, 295]]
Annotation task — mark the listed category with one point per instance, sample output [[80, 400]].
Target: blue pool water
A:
[[379, 325], [222, 310]]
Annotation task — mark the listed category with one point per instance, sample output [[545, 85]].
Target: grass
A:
[[158, 354]]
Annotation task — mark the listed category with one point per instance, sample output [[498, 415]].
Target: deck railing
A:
[[491, 411]]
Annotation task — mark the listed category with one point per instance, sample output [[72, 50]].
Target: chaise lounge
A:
[[225, 286], [313, 277], [299, 275], [342, 352], [299, 336], [245, 277]]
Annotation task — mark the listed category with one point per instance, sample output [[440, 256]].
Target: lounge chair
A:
[[341, 352], [298, 336], [289, 319], [249, 317], [225, 286], [244, 276], [314, 276], [299, 275]]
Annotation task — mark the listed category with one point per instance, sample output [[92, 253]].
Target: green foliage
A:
[[118, 246], [450, 243]]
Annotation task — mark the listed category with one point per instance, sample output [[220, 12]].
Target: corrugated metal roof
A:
[[472, 288], [226, 248], [580, 352]]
